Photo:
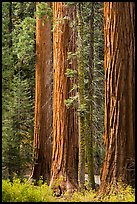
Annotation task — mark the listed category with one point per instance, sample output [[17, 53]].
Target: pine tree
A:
[[89, 114], [16, 153], [17, 129], [98, 87], [81, 91]]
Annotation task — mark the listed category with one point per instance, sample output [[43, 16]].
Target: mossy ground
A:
[[26, 192]]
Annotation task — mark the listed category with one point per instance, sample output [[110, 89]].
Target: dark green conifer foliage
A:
[[18, 74], [18, 60], [18, 129]]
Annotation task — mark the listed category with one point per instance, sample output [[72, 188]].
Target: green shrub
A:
[[86, 196], [120, 193], [25, 192]]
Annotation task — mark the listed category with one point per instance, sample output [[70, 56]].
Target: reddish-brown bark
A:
[[43, 106], [119, 31], [65, 137]]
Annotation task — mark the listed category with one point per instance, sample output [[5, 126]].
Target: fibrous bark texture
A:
[[65, 142], [119, 19], [72, 119], [43, 106], [89, 114], [81, 88]]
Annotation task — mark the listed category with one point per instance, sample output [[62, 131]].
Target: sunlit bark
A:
[[119, 31], [43, 107], [65, 142]]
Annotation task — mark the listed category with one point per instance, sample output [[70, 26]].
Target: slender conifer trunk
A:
[[81, 98], [10, 168], [89, 114]]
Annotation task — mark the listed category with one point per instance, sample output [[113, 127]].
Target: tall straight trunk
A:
[[43, 106], [10, 168], [89, 114], [65, 147], [119, 31], [81, 98], [72, 118], [99, 90]]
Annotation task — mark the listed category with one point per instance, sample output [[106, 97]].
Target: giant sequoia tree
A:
[[119, 31], [65, 141], [43, 111]]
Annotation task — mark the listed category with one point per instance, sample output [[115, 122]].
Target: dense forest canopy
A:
[[64, 68]]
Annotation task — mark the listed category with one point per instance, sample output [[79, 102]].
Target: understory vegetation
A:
[[67, 114], [27, 192]]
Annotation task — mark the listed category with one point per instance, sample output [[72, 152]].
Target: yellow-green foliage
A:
[[26, 192], [85, 196], [122, 193]]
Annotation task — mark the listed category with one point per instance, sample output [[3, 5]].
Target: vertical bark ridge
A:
[[62, 167], [43, 112], [119, 96], [81, 87]]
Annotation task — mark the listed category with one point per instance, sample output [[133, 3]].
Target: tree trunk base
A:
[[62, 187]]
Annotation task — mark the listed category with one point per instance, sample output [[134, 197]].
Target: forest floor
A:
[[26, 192]]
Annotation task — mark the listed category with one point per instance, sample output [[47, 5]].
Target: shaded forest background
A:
[[68, 93], [19, 55]]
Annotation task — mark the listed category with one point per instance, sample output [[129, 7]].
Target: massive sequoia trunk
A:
[[65, 142], [43, 107], [119, 65]]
